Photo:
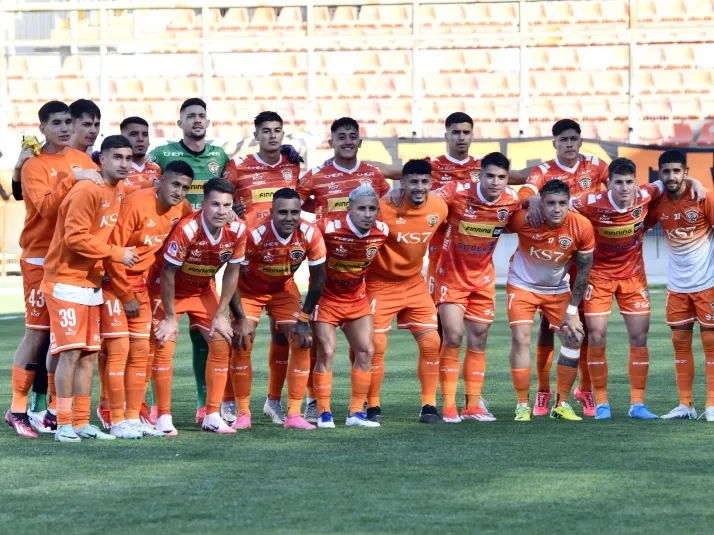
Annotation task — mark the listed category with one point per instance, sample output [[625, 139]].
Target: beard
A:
[[196, 137]]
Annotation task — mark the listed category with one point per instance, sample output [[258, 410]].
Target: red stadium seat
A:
[[236, 19], [706, 135], [697, 81], [23, 90], [437, 86], [677, 134], [264, 19]]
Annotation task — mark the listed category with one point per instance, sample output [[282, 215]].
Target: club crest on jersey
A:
[[691, 215], [213, 167], [287, 175], [297, 254], [565, 241], [711, 305], [502, 214], [432, 219], [371, 251], [173, 248], [225, 256], [365, 182], [585, 182], [174, 222], [474, 175], [636, 213], [120, 196], [645, 293]]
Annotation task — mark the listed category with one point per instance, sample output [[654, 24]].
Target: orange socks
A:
[[216, 373], [117, 351], [313, 361], [278, 369], [298, 372], [684, 364], [428, 367], [597, 363], [64, 411], [241, 372], [162, 373], [449, 374], [522, 383], [52, 405], [474, 372], [375, 386], [708, 346], [544, 360], [585, 383], [638, 369], [360, 387], [322, 387], [135, 377], [21, 383], [565, 372], [80, 410], [102, 366]]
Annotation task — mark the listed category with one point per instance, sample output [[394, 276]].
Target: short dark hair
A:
[[344, 122], [221, 185], [555, 187], [563, 125], [115, 142], [416, 167], [458, 117], [83, 106], [266, 117], [621, 166], [180, 168], [51, 107], [285, 193], [132, 120], [497, 159], [672, 156], [192, 102]]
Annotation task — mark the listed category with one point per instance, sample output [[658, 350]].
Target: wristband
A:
[[572, 310], [304, 317]]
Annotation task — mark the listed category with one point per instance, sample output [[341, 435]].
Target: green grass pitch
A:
[[540, 477]]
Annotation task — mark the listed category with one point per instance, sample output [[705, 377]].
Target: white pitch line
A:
[[3, 318]]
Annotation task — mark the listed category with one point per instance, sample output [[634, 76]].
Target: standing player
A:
[[256, 178], [396, 287], [197, 248], [72, 285], [687, 226], [46, 180], [145, 219], [582, 174], [352, 241], [136, 130], [538, 279], [466, 280], [274, 252], [86, 121]]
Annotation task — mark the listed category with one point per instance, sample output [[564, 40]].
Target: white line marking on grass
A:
[[3, 318]]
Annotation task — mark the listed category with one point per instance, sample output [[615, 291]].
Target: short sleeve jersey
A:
[[143, 175], [192, 247], [473, 229], [544, 254], [256, 181], [271, 261], [349, 254], [411, 229], [618, 231], [444, 170], [687, 227], [331, 185], [588, 174]]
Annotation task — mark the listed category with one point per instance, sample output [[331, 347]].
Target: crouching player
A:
[[538, 279], [352, 240], [196, 249]]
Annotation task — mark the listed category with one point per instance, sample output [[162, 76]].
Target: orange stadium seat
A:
[[679, 57], [155, 88], [325, 87], [564, 59], [245, 111], [235, 19], [652, 57], [697, 81], [427, 17], [238, 88], [617, 131], [431, 114], [610, 83], [645, 82], [365, 111], [350, 87], [434, 130], [504, 14], [589, 130], [506, 109], [580, 83], [321, 19], [183, 88], [93, 91], [541, 110], [677, 134], [535, 13], [672, 11], [266, 88], [218, 88], [655, 108], [71, 67], [23, 90], [284, 64], [649, 133], [452, 61], [559, 13], [396, 111], [465, 85], [567, 109], [50, 90], [619, 108], [390, 62], [290, 21], [381, 86], [595, 109], [547, 83], [450, 16], [706, 135], [395, 17], [264, 19], [330, 111], [647, 11], [17, 68], [668, 81], [587, 13], [538, 59], [437, 86], [476, 60], [184, 19], [477, 14], [499, 131], [27, 115], [73, 87], [294, 88], [687, 108], [214, 20], [368, 18], [224, 113], [387, 131], [126, 89], [344, 17], [700, 10]]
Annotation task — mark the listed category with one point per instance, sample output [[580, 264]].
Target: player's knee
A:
[[597, 338], [34, 340], [638, 339], [452, 337], [521, 338]]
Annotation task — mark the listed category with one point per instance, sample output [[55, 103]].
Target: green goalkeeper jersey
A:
[[206, 165]]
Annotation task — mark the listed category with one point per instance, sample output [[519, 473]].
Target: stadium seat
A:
[[390, 62], [645, 82], [395, 18], [686, 108], [451, 61], [330, 111], [506, 109], [548, 83], [701, 10], [649, 133], [349, 87], [183, 88], [567, 109], [215, 20], [580, 83], [596, 109], [26, 115], [344, 17], [126, 89], [504, 14], [535, 13], [563, 59], [668, 81], [651, 57], [266, 88], [73, 87], [647, 11], [235, 20], [433, 131], [706, 135], [541, 110], [610, 83], [538, 59], [679, 57], [294, 88], [477, 60], [434, 111], [403, 86], [704, 56], [17, 67], [484, 110], [427, 17], [605, 57], [218, 89], [396, 111], [368, 18], [290, 21], [225, 113], [325, 87], [183, 19], [381, 86], [619, 108], [239, 88], [477, 14], [71, 67], [286, 64], [155, 88], [617, 131], [671, 11], [465, 85], [677, 134], [589, 130], [437, 86], [655, 108], [50, 90], [23, 90], [365, 111], [264, 19], [697, 81], [321, 19], [499, 131], [559, 13]]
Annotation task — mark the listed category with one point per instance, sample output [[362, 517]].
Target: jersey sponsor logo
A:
[[371, 251], [199, 270], [636, 213], [585, 182], [175, 153], [297, 253], [432, 220], [338, 205], [279, 270], [264, 195], [75, 168], [195, 253], [413, 237], [287, 175], [546, 254], [268, 257], [623, 231], [225, 256], [108, 220], [681, 233], [346, 266], [691, 215], [502, 214], [400, 221], [196, 187], [565, 241], [481, 230], [106, 204], [151, 223], [155, 240], [213, 167]]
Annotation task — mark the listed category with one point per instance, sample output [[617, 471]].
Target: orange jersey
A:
[[588, 174], [143, 175], [472, 233], [618, 232], [85, 221], [687, 227], [411, 229], [199, 255], [444, 170], [256, 181], [271, 261], [143, 224], [349, 254], [541, 262], [46, 179], [331, 185]]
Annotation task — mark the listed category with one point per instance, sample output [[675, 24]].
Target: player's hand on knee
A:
[[221, 326], [165, 331], [132, 308], [243, 333]]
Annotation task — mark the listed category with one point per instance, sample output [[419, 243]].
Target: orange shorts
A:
[[408, 300], [522, 305], [113, 322], [340, 312], [36, 315], [685, 308], [632, 295], [284, 307], [478, 305], [72, 325], [200, 309]]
